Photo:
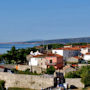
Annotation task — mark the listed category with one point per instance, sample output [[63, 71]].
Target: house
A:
[[85, 49], [67, 52], [86, 57], [67, 46], [54, 60], [46, 60], [74, 59], [38, 60]]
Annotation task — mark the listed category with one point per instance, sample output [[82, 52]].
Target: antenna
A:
[[43, 43]]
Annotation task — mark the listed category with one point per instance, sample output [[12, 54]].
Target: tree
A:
[[86, 79], [50, 70]]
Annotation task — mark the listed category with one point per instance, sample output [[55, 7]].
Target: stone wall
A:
[[35, 81], [80, 65], [75, 82], [24, 67], [33, 68], [10, 66], [26, 81]]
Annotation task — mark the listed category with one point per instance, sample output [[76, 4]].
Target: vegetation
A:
[[76, 44], [83, 73], [14, 88], [53, 46], [50, 70], [15, 56], [27, 71], [2, 84], [88, 62], [87, 88]]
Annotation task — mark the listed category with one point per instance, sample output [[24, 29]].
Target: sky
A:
[[25, 20]]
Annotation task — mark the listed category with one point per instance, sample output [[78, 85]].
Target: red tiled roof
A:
[[72, 48], [76, 57], [48, 55], [39, 47], [88, 53], [84, 46]]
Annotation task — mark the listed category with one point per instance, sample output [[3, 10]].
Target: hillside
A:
[[61, 41], [69, 40]]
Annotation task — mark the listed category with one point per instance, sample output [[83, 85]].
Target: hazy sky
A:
[[23, 20]]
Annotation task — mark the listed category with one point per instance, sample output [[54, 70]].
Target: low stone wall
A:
[[75, 82], [34, 81], [33, 68], [80, 65], [10, 66], [26, 81], [24, 67]]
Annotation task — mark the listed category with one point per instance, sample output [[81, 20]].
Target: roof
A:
[[39, 47], [88, 53], [48, 55], [71, 48], [85, 46], [77, 57], [74, 48]]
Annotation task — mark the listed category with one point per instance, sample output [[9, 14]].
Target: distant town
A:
[[46, 67]]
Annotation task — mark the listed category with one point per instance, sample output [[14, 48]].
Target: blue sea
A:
[[5, 47]]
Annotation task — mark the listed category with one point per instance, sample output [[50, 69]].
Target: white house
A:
[[38, 60], [33, 61], [67, 52], [85, 50], [58, 51], [87, 57]]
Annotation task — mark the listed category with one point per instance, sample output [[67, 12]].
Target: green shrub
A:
[[86, 79], [27, 71], [50, 70], [83, 73], [14, 88], [88, 62], [2, 84], [72, 75]]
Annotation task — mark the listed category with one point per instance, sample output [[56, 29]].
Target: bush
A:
[[86, 79], [72, 75], [88, 62], [50, 70], [27, 71], [2, 84], [78, 74], [83, 73], [14, 88]]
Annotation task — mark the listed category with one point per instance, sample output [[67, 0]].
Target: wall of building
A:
[[87, 57], [53, 58], [26, 81], [84, 50], [60, 52], [70, 53], [33, 61], [72, 59], [42, 63]]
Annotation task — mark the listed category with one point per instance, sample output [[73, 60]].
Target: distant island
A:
[[61, 41]]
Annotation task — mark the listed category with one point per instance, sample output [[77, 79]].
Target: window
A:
[[50, 61]]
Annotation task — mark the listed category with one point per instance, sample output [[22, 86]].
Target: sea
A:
[[6, 47]]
